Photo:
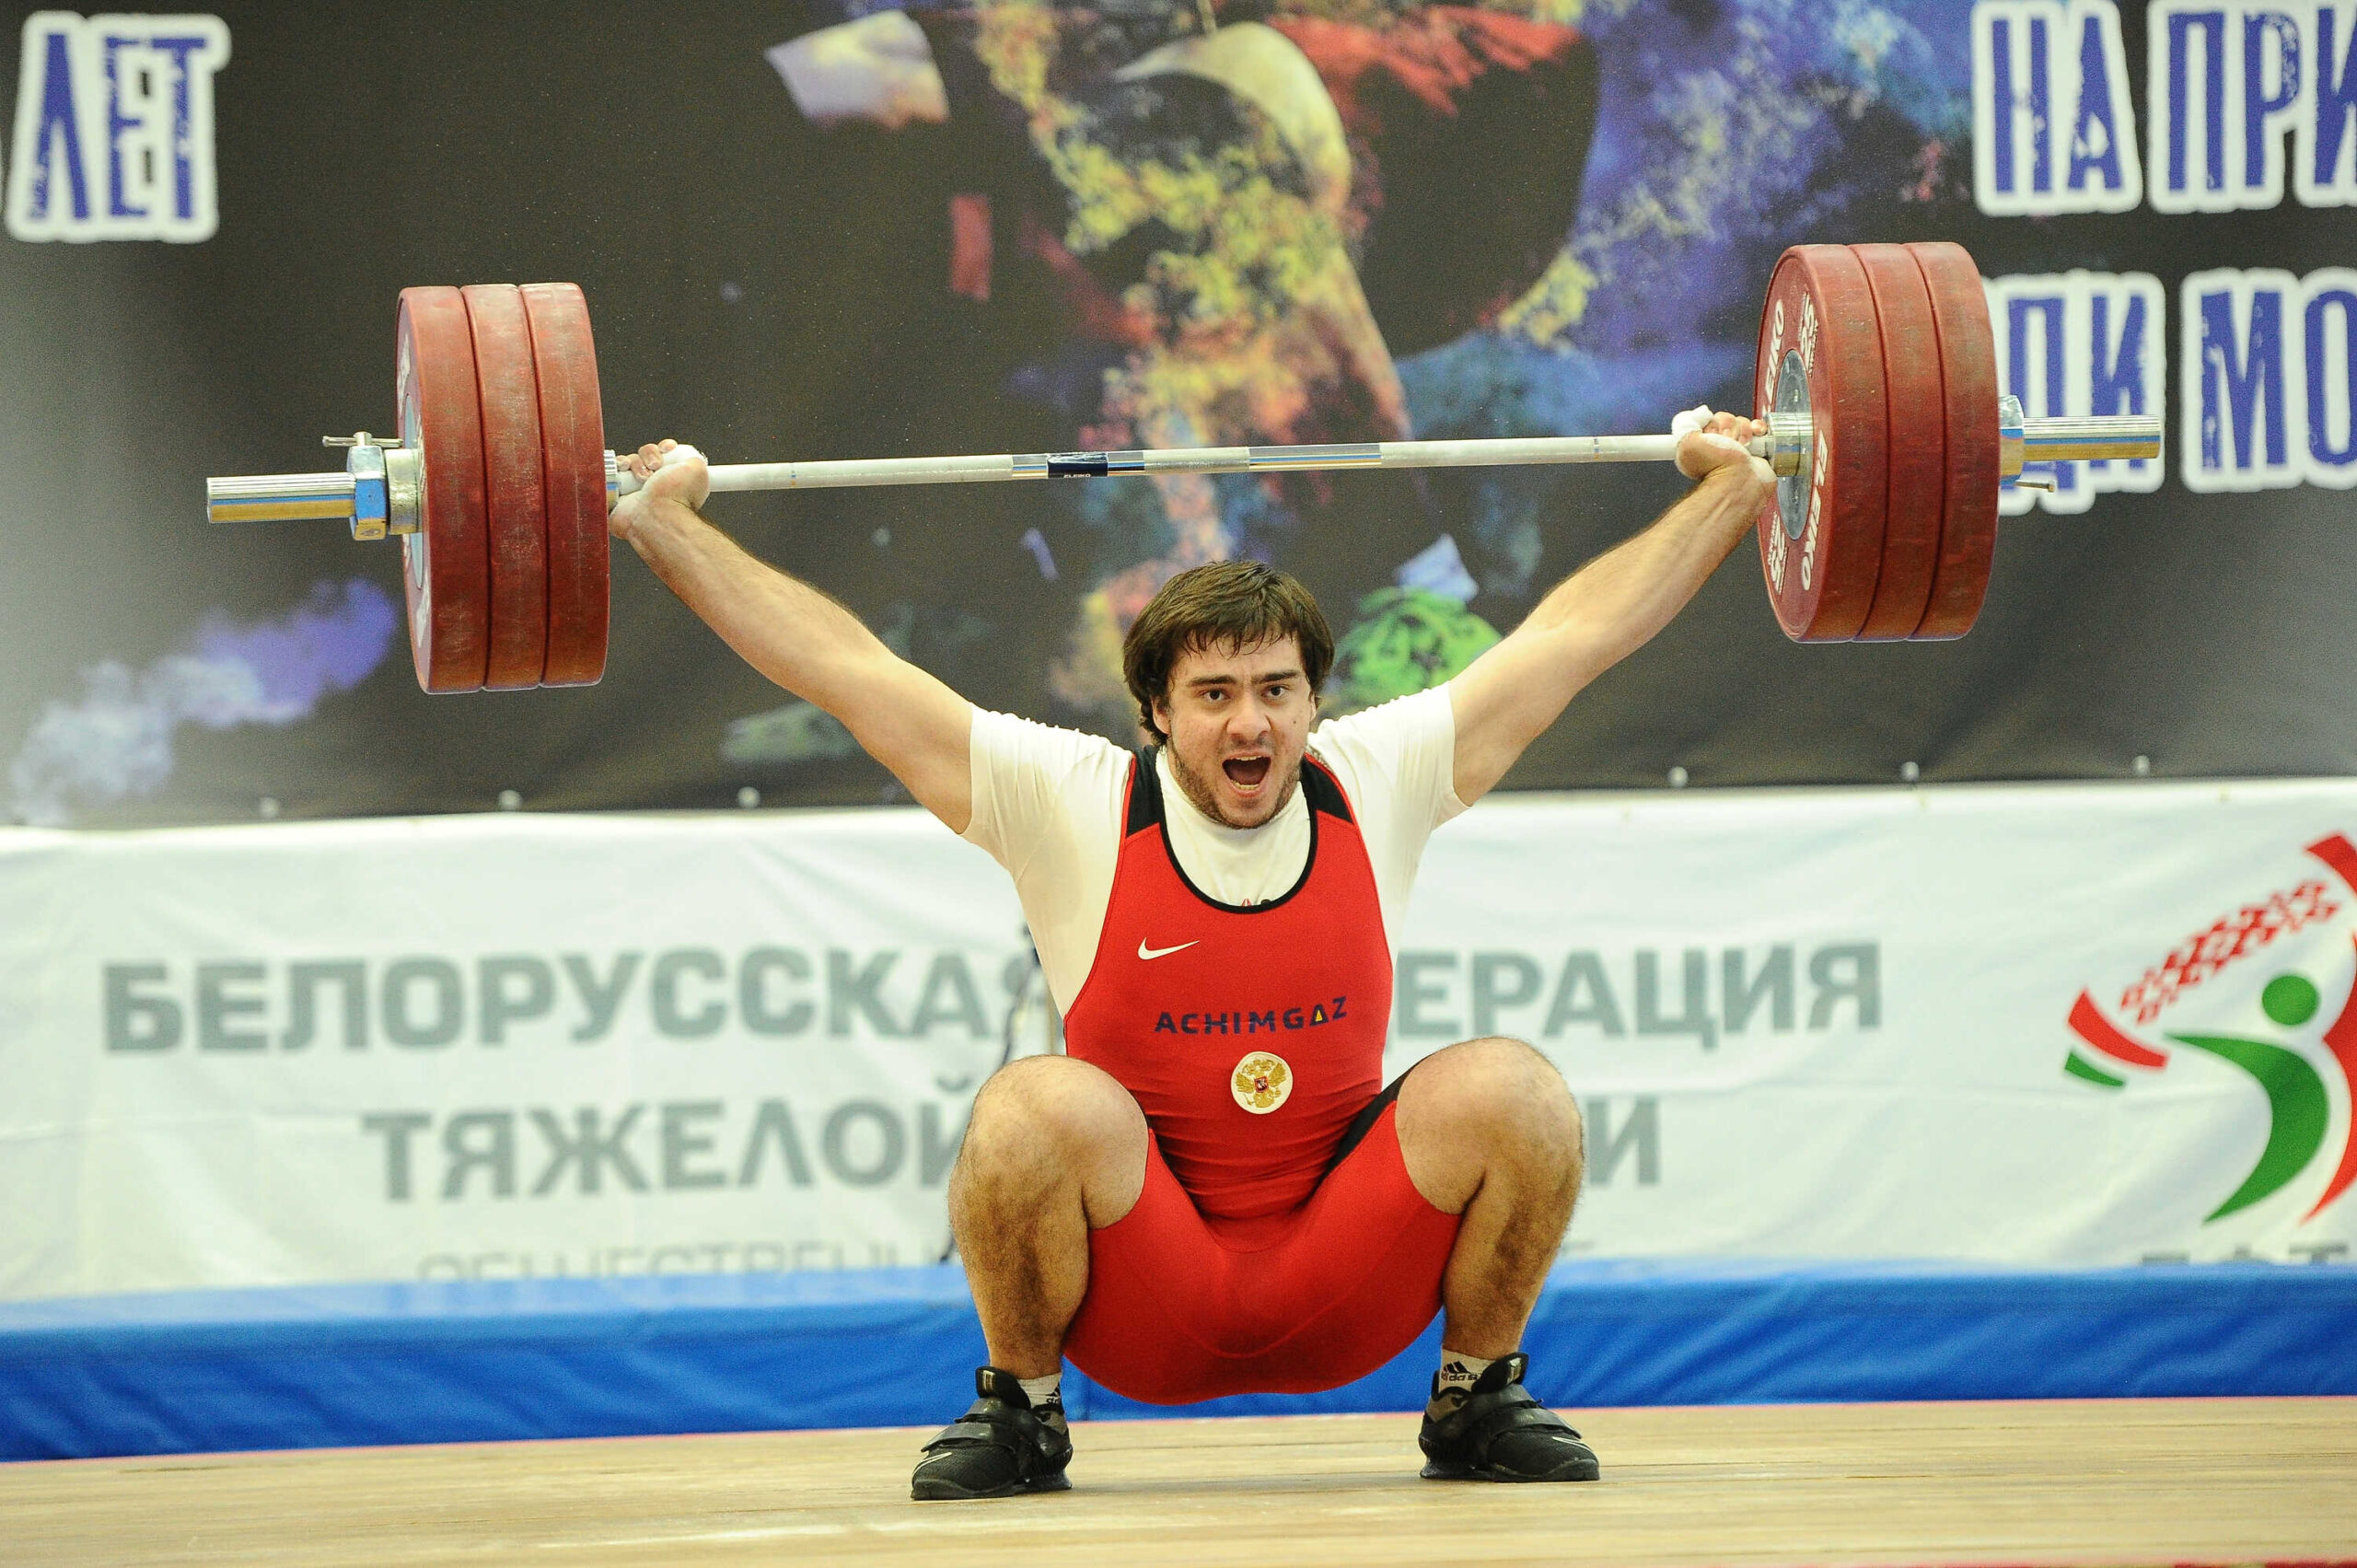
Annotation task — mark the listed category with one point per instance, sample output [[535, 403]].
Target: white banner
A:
[[2082, 1024]]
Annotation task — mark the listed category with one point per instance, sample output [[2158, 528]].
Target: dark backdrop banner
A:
[[816, 232]]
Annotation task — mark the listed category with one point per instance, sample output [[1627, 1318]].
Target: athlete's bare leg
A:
[[1056, 1148], [1489, 1131]]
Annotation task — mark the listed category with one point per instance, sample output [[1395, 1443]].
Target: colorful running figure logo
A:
[[2299, 1107]]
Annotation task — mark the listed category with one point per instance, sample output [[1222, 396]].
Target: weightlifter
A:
[[1209, 1193]]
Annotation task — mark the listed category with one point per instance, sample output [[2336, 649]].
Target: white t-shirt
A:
[[1047, 806]]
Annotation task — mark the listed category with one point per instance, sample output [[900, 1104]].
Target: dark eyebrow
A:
[[1269, 679]]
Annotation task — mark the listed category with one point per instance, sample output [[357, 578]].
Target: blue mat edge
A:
[[345, 1365]]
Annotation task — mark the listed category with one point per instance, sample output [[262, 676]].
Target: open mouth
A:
[[1246, 773]]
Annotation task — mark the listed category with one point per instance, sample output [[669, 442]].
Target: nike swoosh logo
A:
[[1146, 952]]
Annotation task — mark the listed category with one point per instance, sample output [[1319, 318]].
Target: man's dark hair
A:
[[1228, 604]]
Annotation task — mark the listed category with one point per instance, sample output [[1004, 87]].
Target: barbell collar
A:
[[374, 495], [2071, 438], [1790, 440]]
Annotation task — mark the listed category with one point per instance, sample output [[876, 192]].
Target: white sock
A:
[[1458, 1371], [1049, 1391]]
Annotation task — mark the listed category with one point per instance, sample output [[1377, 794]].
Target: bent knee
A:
[[1465, 1109], [1495, 1079], [1055, 1098], [1044, 1121]]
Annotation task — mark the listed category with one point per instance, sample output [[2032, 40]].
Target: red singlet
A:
[[1278, 1245]]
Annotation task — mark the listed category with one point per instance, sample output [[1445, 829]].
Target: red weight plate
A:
[[517, 529], [1969, 386], [433, 386], [573, 445], [1820, 534], [1918, 420]]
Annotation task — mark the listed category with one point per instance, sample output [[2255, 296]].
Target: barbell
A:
[[1876, 376]]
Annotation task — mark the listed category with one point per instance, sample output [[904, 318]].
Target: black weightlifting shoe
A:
[[998, 1447], [1500, 1432]]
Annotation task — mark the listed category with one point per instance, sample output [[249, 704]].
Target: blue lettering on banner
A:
[[2053, 129], [2236, 409], [2328, 346], [2325, 160], [2268, 377], [2075, 343], [114, 128], [2226, 83]]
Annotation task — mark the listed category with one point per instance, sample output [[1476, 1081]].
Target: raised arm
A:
[[906, 718], [1607, 609]]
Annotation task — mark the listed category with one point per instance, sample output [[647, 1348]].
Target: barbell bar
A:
[[358, 498], [1876, 381]]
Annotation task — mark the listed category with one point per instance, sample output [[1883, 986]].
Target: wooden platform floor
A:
[[2182, 1480]]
